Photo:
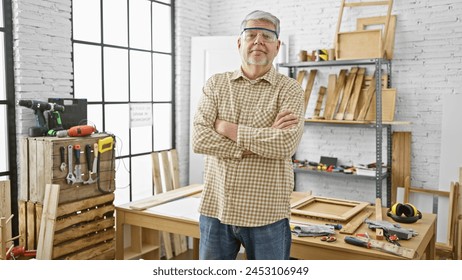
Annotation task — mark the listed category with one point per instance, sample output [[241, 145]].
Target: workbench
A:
[[144, 241]]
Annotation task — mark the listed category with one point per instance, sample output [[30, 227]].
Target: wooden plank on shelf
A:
[[47, 228], [346, 94], [364, 23], [80, 244], [331, 84], [301, 76], [319, 101], [367, 100], [309, 86], [350, 111], [362, 44], [331, 105], [97, 213], [388, 106]]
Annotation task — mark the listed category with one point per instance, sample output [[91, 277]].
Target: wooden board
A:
[[401, 161], [328, 208], [301, 76], [355, 222], [350, 111], [346, 94], [359, 44], [47, 229], [388, 106], [5, 206], [332, 102], [317, 109], [367, 100], [166, 197], [331, 84], [309, 86], [364, 23]]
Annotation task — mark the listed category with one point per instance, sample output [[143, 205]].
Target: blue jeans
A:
[[222, 242]]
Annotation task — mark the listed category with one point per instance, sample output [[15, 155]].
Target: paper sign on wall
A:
[[140, 114]]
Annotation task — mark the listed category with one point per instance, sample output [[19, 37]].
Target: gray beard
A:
[[263, 62]]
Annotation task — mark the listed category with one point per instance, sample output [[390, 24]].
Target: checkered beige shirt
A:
[[252, 190]]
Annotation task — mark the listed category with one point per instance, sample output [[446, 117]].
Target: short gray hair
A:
[[261, 15]]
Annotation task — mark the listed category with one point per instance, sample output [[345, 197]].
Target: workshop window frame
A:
[[8, 108], [128, 153]]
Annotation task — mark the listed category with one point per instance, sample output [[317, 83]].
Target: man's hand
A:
[[227, 129], [285, 120]]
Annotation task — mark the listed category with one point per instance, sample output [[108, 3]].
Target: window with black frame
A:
[[8, 163], [123, 58]]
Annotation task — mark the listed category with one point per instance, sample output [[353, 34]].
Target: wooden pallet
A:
[[79, 230]]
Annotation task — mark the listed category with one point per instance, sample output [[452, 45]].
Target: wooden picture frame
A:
[[328, 208]]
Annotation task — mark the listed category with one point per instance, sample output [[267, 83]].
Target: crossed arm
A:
[[284, 120]]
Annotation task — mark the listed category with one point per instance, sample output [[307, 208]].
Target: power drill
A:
[[40, 108]]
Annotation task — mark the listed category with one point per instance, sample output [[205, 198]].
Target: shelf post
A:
[[378, 128]]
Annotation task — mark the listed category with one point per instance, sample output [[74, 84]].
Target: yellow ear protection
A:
[[404, 213]]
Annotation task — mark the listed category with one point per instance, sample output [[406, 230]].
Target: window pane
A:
[[115, 74], [164, 1], [162, 126], [140, 22], [3, 139], [139, 136], [87, 72], [162, 77], [2, 67], [161, 28], [117, 119], [141, 177], [122, 192], [86, 20], [140, 76], [115, 22], [1, 13], [95, 116]]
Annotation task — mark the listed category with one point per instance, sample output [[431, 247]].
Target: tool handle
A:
[[61, 153], [355, 241], [95, 149], [77, 154], [88, 156]]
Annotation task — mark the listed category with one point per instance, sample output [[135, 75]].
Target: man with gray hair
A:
[[248, 125]]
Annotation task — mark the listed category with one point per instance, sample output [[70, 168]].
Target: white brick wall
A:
[[192, 19], [42, 53], [426, 67]]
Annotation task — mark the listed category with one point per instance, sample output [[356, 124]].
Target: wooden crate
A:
[[84, 229], [30, 214], [40, 162]]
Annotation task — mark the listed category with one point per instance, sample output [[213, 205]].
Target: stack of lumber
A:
[[350, 96]]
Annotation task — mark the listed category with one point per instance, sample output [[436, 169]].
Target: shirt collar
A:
[[270, 76]]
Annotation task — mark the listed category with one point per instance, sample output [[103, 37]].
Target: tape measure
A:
[[322, 55], [105, 144]]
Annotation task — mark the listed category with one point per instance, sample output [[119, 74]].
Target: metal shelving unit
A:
[[378, 63]]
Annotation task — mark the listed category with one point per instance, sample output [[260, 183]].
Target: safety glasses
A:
[[251, 33]]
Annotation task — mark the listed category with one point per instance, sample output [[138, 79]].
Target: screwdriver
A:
[[336, 226]]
